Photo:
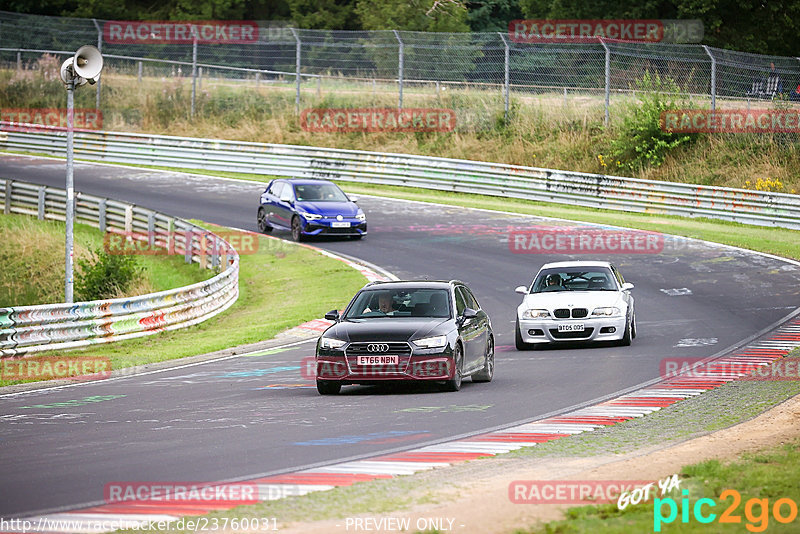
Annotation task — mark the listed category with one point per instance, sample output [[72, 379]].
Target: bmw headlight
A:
[[431, 342], [360, 216], [331, 343], [535, 314], [606, 312], [309, 216]]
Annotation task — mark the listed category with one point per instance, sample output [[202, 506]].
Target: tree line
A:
[[764, 26]]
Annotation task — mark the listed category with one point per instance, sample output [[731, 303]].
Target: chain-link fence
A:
[[414, 66]]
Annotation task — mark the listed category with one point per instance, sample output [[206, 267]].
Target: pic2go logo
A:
[[756, 511]]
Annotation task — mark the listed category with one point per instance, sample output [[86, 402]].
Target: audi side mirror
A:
[[332, 315]]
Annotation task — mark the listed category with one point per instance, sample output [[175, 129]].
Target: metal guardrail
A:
[[494, 179], [30, 329]]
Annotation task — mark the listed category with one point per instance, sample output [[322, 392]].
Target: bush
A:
[[106, 276], [640, 141]]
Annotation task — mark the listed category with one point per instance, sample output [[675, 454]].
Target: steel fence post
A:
[[7, 199], [607, 80], [100, 48], [507, 74], [298, 50], [713, 78], [194, 66], [400, 60]]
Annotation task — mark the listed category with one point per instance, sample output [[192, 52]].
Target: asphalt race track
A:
[[256, 415]]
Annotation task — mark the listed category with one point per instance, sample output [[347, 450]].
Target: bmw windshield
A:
[[552, 280]]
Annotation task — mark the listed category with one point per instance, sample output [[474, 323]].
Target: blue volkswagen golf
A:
[[310, 208]]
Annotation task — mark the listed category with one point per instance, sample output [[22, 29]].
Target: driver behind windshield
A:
[[553, 283], [385, 303]]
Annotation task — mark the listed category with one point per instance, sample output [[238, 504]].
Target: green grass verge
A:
[[32, 256], [764, 477], [280, 286]]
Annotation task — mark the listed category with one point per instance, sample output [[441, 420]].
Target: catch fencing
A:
[[30, 329], [405, 62], [493, 179]]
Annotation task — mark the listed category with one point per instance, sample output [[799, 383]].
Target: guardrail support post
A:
[[101, 214], [187, 245], [129, 219], [151, 229], [507, 73], [7, 199], [41, 203], [298, 50], [713, 78], [607, 80], [400, 60]]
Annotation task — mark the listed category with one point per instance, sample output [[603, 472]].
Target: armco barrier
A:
[[564, 187], [30, 329]]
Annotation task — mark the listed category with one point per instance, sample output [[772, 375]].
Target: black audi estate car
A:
[[406, 330]]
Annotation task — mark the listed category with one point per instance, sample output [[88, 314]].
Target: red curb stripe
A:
[[433, 457], [325, 479]]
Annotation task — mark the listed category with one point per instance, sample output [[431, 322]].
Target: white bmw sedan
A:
[[575, 301]]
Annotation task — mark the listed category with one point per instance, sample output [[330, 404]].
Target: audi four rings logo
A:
[[377, 347]]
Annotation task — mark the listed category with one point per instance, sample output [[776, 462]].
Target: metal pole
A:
[[713, 78], [70, 208], [608, 81], [19, 60], [399, 69], [200, 77], [194, 66], [297, 70], [100, 48], [507, 73], [140, 72]]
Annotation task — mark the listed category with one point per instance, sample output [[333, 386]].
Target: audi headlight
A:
[[360, 216], [431, 342], [535, 314], [309, 216], [606, 312], [331, 343]]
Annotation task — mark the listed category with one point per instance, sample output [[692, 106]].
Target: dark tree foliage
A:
[[766, 26]]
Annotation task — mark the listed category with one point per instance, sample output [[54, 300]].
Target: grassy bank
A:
[[32, 256], [544, 130], [280, 286]]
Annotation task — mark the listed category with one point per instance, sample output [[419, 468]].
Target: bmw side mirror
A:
[[332, 315], [522, 290], [627, 286]]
